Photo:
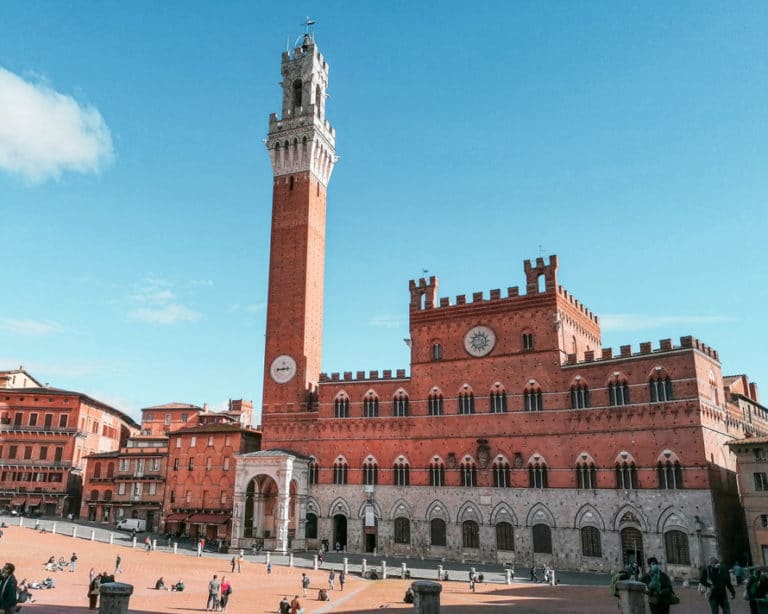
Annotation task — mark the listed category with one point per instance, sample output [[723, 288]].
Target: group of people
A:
[[94, 587], [160, 585], [60, 564], [218, 594], [291, 607]]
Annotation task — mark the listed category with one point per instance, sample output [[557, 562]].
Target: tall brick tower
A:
[[301, 147]]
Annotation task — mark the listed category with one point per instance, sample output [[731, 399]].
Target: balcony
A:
[[37, 463], [37, 430]]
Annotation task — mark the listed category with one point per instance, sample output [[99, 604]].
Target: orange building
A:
[[46, 435], [515, 438]]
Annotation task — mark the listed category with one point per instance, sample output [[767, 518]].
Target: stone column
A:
[[114, 597], [426, 596], [238, 513], [282, 519], [631, 597]]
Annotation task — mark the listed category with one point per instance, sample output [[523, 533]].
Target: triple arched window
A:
[[586, 475], [468, 474], [400, 404], [435, 402], [370, 473], [626, 474], [579, 395], [618, 391], [371, 406], [466, 402], [537, 474], [498, 401], [341, 407], [532, 399], [340, 470], [501, 474], [401, 473], [660, 387], [436, 473]]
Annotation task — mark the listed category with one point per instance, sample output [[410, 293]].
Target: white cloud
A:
[[29, 327], [201, 282], [44, 133], [384, 321], [167, 314], [633, 321], [255, 307]]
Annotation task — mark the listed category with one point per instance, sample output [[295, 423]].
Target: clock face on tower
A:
[[479, 340], [283, 369]]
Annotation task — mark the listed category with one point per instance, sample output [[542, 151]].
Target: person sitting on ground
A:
[[160, 585], [179, 586], [322, 595], [49, 583], [24, 595], [408, 595]]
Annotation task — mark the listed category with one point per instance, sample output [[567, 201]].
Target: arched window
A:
[[670, 474], [579, 396], [586, 475], [318, 101], [618, 391], [505, 536], [341, 407], [107, 495], [470, 534], [97, 470], [437, 351], [537, 475], [660, 387], [296, 101], [370, 406], [676, 544], [435, 404], [437, 532], [714, 390], [436, 473], [501, 477], [542, 539], [590, 542], [626, 475], [110, 470], [400, 404], [313, 471], [468, 474], [527, 340], [401, 473], [532, 399], [466, 402], [498, 399], [94, 495], [310, 527], [340, 472], [402, 531], [370, 473]]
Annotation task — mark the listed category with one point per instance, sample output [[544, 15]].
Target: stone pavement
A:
[[256, 591]]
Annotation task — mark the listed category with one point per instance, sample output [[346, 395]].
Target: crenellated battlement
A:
[[362, 376], [645, 349], [576, 304]]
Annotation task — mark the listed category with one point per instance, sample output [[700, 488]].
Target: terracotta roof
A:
[[173, 406], [175, 517], [215, 428], [749, 441], [271, 453], [209, 518]]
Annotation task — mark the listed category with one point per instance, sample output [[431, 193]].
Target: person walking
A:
[[269, 567], [214, 590], [8, 589], [738, 573], [757, 587], [118, 565], [147, 544], [342, 579], [331, 579], [296, 605], [234, 563], [240, 558], [94, 588], [659, 588], [716, 577], [304, 584], [226, 591], [72, 563]]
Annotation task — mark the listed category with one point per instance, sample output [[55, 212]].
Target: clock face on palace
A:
[[479, 340], [282, 369]]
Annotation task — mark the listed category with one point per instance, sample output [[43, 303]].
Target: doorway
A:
[[340, 531], [632, 546]]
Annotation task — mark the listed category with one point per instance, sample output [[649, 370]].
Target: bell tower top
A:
[[302, 139]]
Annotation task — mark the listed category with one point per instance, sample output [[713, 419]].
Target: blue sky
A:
[[631, 139]]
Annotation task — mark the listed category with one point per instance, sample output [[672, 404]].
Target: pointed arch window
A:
[[340, 470], [618, 392], [676, 545], [498, 399], [435, 404], [532, 398], [401, 473], [542, 539], [436, 474], [527, 341], [537, 475], [505, 537], [660, 388], [437, 532], [371, 406], [400, 403], [579, 396], [437, 351], [626, 475], [313, 472], [670, 475], [501, 474], [341, 407], [466, 402], [470, 534], [468, 474], [586, 476], [402, 531], [590, 542], [370, 473]]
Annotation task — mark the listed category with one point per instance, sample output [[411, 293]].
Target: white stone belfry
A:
[[302, 139]]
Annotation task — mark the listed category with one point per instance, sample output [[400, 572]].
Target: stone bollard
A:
[[552, 578], [74, 531], [383, 570], [290, 559], [363, 567], [631, 597], [509, 576], [267, 561], [403, 571], [426, 596], [154, 544], [93, 535], [114, 597], [53, 528], [314, 562], [134, 543], [111, 538], [345, 563], [439, 572], [175, 547], [21, 521]]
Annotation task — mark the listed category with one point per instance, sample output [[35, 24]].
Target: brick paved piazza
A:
[[255, 592]]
